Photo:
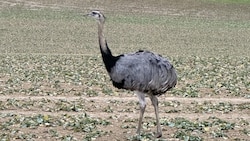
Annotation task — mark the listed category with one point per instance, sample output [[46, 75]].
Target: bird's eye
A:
[[95, 13]]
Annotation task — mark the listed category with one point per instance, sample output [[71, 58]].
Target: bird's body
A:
[[145, 72]]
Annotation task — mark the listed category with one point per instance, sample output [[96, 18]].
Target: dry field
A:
[[53, 85]]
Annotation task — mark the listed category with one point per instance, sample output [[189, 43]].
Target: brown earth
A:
[[125, 107]]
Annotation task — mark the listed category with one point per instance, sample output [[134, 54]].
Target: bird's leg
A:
[[155, 104], [142, 103]]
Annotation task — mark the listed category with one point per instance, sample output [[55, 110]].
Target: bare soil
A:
[[125, 108], [119, 109]]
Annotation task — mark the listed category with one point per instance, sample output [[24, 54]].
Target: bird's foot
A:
[[158, 134]]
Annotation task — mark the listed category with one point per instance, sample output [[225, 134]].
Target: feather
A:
[[143, 71]]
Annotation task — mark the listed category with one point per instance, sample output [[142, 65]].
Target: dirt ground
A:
[[124, 111], [121, 109]]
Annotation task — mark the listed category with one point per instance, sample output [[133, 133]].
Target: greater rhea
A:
[[144, 72]]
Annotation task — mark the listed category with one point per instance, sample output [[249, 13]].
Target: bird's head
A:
[[96, 15]]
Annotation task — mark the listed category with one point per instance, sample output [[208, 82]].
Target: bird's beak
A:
[[88, 15]]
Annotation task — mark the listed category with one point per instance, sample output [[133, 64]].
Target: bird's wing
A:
[[143, 71]]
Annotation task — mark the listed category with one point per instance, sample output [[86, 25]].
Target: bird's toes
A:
[[158, 135]]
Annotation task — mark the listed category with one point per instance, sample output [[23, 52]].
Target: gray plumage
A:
[[144, 72]]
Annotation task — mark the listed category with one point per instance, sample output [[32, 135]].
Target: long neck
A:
[[108, 59], [102, 41]]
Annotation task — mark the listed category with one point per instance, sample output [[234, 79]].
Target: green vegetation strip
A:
[[82, 123], [191, 130], [184, 129], [85, 75], [48, 31]]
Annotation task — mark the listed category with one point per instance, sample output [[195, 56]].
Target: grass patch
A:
[[68, 32], [56, 74], [82, 123]]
